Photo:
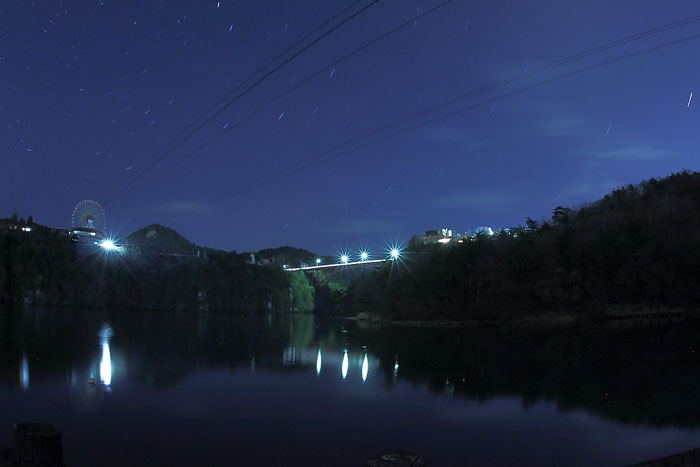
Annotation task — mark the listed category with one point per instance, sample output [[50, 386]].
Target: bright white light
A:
[[365, 368], [395, 253], [106, 361], [345, 364], [444, 240], [364, 255], [344, 259], [108, 245], [106, 365], [318, 362], [318, 261], [26, 229]]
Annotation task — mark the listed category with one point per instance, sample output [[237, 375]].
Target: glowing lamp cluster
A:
[[108, 245], [392, 253]]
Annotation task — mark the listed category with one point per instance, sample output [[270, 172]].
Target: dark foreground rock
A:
[[396, 459], [36, 444]]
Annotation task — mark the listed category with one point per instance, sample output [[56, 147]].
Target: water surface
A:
[[225, 389]]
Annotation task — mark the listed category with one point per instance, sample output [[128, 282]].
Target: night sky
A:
[[92, 92]]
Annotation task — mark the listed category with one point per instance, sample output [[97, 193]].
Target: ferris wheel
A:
[[88, 214]]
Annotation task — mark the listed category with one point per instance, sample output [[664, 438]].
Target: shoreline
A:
[[610, 317]]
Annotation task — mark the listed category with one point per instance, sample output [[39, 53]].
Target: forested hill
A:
[[286, 255], [635, 250], [160, 239]]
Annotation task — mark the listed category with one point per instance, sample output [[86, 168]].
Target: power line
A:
[[250, 77], [243, 93], [316, 160], [493, 86], [309, 78], [459, 98]]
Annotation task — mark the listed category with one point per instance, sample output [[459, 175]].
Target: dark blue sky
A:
[[90, 91]]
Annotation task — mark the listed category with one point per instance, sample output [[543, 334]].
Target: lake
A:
[[224, 389]]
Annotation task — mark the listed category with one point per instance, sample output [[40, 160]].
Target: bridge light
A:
[[364, 256], [344, 259]]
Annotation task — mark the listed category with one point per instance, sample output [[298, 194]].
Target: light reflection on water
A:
[[344, 368], [106, 360], [318, 362], [24, 372], [365, 368]]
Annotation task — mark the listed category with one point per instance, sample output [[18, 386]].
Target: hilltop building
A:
[[440, 236]]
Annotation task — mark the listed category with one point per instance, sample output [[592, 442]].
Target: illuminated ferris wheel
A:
[[88, 214]]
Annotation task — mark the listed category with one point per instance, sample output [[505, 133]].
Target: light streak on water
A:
[[24, 373], [318, 362], [106, 365], [345, 364], [365, 368], [106, 361]]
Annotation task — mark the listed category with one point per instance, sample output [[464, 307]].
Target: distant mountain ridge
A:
[[286, 255], [157, 238], [160, 239]]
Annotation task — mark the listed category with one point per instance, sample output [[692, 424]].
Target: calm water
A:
[[215, 389]]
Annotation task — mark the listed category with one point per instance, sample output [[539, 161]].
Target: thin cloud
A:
[[363, 226], [565, 126], [631, 153], [481, 201], [451, 135], [587, 189], [186, 209]]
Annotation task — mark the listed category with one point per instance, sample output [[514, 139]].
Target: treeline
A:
[[637, 249], [44, 267]]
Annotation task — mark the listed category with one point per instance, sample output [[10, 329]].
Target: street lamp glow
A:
[[318, 261], [395, 253], [364, 255], [344, 259], [108, 245]]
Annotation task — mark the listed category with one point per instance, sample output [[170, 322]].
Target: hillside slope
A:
[[635, 250]]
